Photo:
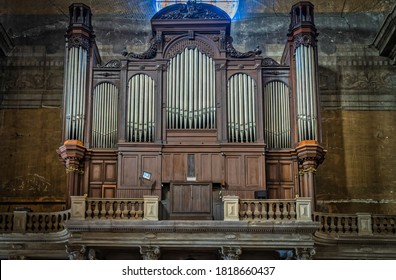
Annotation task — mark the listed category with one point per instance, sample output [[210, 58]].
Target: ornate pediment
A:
[[191, 10]]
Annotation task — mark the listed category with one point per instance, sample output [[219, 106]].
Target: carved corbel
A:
[[305, 253], [230, 253], [150, 253], [76, 252]]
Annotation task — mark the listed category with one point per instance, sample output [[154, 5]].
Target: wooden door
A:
[[191, 201]]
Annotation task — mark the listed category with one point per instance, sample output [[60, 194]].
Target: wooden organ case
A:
[[191, 119]]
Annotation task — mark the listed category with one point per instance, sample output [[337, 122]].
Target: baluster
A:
[[110, 212], [285, 211], [292, 212], [118, 212], [327, 222], [354, 225], [271, 211], [29, 222], [126, 211], [47, 222], [277, 211], [381, 225], [257, 212], [140, 211], [339, 226], [96, 209], [386, 225], [264, 212], [133, 210], [89, 210], [249, 212]]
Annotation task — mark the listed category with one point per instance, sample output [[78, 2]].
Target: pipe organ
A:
[[192, 119], [191, 91], [140, 109], [104, 115]]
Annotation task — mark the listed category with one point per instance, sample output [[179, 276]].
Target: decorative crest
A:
[[191, 10], [232, 52]]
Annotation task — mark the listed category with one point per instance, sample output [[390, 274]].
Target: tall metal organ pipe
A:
[[307, 114], [140, 109], [191, 91], [75, 88], [277, 115], [241, 109], [104, 116]]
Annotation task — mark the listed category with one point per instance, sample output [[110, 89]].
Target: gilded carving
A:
[[267, 61]]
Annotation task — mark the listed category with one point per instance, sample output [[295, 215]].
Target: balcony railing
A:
[[267, 210], [235, 209], [37, 222], [363, 224]]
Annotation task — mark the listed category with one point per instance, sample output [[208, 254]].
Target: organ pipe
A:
[[277, 115], [241, 107], [306, 93], [76, 78], [191, 91], [104, 116], [140, 109]]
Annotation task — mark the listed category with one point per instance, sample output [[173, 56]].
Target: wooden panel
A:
[[272, 171], [167, 168], [95, 191], [110, 168], [96, 171], [253, 173], [181, 198], [149, 164], [201, 199], [108, 191], [286, 171], [191, 201], [179, 167], [129, 170], [273, 192], [286, 192], [205, 173], [217, 168], [234, 172]]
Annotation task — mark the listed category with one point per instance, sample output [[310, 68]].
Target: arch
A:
[[202, 43]]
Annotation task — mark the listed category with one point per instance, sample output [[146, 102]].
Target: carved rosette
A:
[[303, 39], [230, 253], [77, 41], [150, 253]]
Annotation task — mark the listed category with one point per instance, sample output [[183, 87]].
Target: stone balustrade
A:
[[145, 208], [363, 224], [6, 221], [37, 222]]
